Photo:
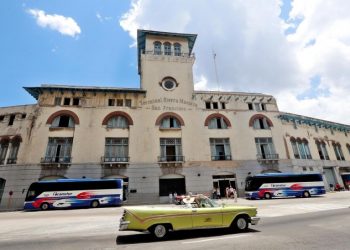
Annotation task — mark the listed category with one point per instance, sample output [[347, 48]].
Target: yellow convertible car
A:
[[198, 212]]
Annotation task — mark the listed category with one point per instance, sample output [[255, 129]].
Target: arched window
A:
[[177, 49], [63, 121], [322, 150], [4, 145], [260, 121], [170, 122], [301, 148], [157, 48], [15, 142], [117, 122], [217, 123], [167, 48], [338, 152]]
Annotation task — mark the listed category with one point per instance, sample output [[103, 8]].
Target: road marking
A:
[[221, 238]]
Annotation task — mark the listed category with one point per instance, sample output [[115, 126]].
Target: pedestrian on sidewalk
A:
[[235, 194]]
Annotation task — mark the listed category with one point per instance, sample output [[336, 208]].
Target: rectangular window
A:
[[223, 105], [12, 119], [170, 150], [265, 148], [76, 101], [250, 106], [263, 106], [120, 102], [2, 117], [128, 103], [24, 115], [207, 105], [220, 149], [116, 150], [111, 102], [66, 101], [338, 152], [58, 150], [215, 105], [257, 106], [58, 101]]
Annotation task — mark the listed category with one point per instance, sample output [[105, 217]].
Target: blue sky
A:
[[296, 50], [32, 55]]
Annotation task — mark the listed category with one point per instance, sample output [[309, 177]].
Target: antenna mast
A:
[[216, 70]]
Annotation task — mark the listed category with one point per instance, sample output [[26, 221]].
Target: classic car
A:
[[197, 213]]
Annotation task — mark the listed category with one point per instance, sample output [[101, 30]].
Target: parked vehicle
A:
[[70, 193], [198, 212], [283, 185]]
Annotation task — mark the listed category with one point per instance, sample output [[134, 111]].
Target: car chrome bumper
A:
[[123, 225], [254, 220]]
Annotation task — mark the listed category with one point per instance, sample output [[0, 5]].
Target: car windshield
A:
[[202, 202]]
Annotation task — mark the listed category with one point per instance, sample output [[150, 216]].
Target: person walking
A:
[[218, 194], [170, 198], [235, 194], [231, 192]]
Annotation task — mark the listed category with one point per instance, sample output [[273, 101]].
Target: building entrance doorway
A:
[[330, 177], [172, 183], [223, 181]]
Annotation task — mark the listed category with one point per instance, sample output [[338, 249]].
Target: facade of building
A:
[[163, 137]]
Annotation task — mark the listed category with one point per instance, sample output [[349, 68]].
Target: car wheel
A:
[[306, 194], [160, 231], [267, 195], [44, 206], [95, 204], [240, 224]]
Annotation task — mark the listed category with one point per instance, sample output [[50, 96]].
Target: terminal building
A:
[[163, 137]]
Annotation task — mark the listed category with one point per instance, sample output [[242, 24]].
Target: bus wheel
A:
[[306, 194], [95, 204], [44, 206], [267, 195]]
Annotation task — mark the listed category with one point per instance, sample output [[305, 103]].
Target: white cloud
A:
[[253, 52], [103, 18], [65, 25]]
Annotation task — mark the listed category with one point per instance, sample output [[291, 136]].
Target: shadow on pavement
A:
[[178, 235]]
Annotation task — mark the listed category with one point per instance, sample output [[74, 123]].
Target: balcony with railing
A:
[[267, 157], [56, 160], [115, 159], [11, 160], [171, 158], [221, 157]]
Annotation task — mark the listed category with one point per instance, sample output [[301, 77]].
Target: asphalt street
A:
[[315, 223]]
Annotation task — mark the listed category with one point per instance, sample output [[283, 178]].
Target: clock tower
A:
[[165, 62]]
